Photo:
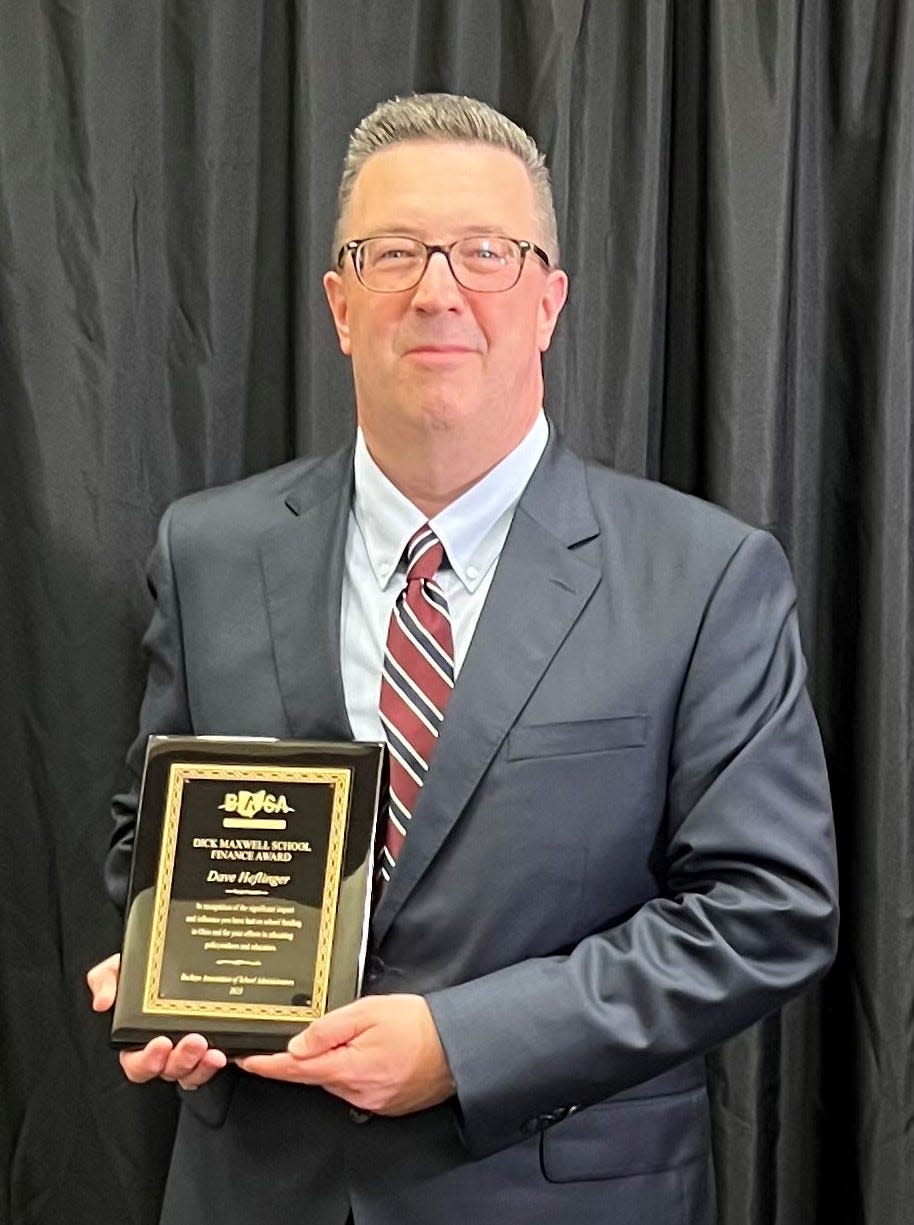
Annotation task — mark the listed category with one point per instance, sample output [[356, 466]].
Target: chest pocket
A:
[[580, 736]]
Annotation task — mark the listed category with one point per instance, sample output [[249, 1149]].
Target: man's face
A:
[[439, 357]]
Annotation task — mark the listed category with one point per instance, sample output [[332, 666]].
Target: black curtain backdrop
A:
[[735, 189]]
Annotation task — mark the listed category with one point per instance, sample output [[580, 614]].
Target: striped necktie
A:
[[416, 683]]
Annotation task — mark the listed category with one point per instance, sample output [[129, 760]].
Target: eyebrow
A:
[[414, 231]]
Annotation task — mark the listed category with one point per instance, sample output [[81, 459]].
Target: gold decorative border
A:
[[183, 772]]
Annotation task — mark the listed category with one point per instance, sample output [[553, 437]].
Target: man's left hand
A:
[[381, 1053]]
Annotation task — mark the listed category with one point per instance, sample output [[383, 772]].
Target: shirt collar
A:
[[472, 528]]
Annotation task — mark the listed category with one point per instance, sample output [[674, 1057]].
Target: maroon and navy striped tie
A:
[[416, 683]]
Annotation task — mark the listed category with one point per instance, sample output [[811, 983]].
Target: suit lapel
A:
[[302, 563], [539, 590]]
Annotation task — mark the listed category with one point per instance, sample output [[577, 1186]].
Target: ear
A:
[[339, 308], [555, 292]]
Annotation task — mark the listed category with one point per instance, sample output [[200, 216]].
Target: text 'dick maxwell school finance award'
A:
[[247, 912]]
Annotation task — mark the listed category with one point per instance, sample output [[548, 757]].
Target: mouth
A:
[[439, 352]]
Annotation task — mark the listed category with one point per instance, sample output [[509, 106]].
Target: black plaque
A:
[[248, 906]]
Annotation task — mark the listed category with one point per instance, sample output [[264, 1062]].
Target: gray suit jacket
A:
[[622, 855]]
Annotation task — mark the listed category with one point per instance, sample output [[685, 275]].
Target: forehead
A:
[[438, 189]]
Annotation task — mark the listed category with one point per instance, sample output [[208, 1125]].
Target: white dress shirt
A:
[[472, 529]]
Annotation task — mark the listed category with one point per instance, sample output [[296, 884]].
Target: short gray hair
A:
[[447, 117]]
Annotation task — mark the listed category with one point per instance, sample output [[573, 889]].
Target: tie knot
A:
[[424, 555]]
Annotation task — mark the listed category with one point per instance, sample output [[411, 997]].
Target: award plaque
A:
[[250, 891]]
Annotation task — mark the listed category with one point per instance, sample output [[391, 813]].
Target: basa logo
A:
[[250, 803]]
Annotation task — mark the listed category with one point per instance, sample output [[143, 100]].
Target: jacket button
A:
[[360, 1116], [548, 1118]]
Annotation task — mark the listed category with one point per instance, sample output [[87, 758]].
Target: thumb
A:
[[334, 1029], [102, 982]]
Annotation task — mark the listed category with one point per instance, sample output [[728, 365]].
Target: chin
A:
[[441, 412], [432, 407]]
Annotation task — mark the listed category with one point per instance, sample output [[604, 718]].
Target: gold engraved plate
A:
[[248, 910], [252, 882]]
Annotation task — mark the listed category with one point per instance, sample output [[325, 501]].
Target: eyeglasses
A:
[[484, 263]]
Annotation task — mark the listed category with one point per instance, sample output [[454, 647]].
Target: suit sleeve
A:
[[749, 911], [164, 709]]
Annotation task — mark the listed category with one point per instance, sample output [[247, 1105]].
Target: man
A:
[[621, 850]]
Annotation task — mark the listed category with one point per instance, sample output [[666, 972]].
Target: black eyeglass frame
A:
[[433, 248]]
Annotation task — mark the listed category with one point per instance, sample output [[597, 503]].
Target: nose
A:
[[438, 290]]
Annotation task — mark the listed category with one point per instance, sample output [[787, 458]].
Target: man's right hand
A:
[[191, 1062]]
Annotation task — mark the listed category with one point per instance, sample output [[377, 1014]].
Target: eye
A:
[[486, 250], [389, 251]]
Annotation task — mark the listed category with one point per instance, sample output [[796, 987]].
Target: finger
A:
[[333, 1067], [334, 1029], [212, 1062], [102, 982], [147, 1064], [184, 1058], [286, 1067], [272, 1067]]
